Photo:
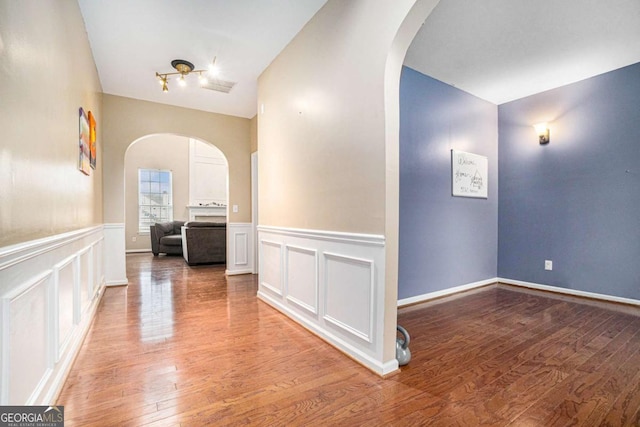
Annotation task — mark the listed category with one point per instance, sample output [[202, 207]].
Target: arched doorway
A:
[[128, 120], [195, 187]]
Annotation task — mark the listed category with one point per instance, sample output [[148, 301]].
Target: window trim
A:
[[144, 229]]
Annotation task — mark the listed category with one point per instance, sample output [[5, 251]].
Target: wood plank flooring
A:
[[188, 346]]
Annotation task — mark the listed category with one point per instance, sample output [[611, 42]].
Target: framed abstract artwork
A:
[[92, 140], [84, 154], [84, 144]]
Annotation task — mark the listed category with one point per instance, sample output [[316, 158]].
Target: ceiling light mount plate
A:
[[182, 66]]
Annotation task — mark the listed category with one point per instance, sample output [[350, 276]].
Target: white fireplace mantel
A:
[[200, 211]]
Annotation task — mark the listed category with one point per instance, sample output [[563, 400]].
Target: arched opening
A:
[[405, 34], [133, 120], [436, 118], [193, 180], [428, 232]]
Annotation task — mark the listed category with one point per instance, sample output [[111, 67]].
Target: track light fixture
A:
[[183, 69]]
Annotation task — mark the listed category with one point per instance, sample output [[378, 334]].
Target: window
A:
[[155, 198]]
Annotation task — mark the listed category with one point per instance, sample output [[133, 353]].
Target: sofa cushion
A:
[[205, 224], [165, 227], [171, 240], [177, 226]]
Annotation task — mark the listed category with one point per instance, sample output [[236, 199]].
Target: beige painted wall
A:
[[127, 120], [329, 133], [168, 152], [46, 74], [322, 133]]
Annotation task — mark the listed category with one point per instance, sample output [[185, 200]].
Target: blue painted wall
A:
[[572, 201], [445, 241]]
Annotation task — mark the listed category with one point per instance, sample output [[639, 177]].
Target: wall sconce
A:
[[542, 130]]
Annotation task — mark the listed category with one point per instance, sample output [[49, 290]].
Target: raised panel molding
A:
[[208, 174], [241, 253], [349, 279], [84, 282], [332, 284], [301, 284], [65, 285], [49, 291], [96, 264], [270, 276], [115, 261], [239, 248], [26, 331]]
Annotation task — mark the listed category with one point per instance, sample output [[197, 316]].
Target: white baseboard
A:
[[117, 283], [445, 292], [519, 283], [238, 272], [138, 251], [573, 292]]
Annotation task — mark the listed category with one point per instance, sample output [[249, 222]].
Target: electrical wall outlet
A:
[[548, 264], [235, 208], [134, 238]]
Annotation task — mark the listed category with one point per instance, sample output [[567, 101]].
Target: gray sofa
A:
[[166, 238], [204, 242]]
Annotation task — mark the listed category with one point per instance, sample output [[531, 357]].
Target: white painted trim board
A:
[[517, 283], [445, 292], [566, 291]]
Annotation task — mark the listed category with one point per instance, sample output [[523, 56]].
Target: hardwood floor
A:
[[187, 346]]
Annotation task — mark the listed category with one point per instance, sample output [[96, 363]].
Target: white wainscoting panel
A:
[[84, 273], [44, 286], [239, 248], [115, 260], [349, 280], [25, 339], [302, 278], [97, 264], [241, 244], [208, 174], [64, 285], [271, 266], [330, 282]]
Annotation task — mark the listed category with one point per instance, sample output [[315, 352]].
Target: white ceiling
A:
[[498, 50], [132, 39], [501, 50]]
